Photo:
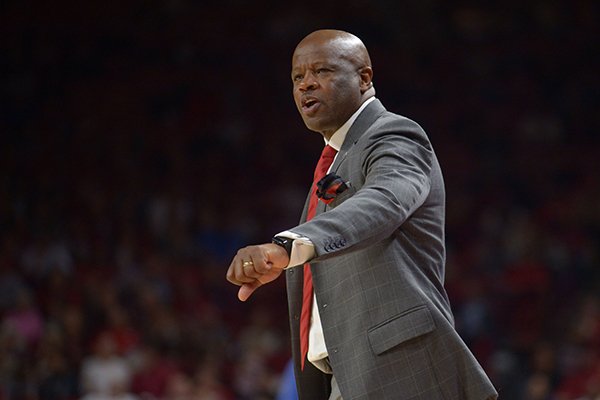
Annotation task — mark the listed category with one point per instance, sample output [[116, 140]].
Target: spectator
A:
[[105, 373]]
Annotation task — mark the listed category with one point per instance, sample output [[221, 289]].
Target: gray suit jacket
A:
[[379, 271]]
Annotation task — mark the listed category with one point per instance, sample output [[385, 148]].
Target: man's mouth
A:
[[310, 105]]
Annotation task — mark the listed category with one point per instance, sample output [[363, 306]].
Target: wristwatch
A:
[[284, 242]]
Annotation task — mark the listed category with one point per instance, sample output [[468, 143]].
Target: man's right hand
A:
[[254, 266]]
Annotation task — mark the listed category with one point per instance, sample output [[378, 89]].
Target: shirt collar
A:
[[338, 137]]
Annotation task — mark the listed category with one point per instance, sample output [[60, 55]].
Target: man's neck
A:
[[337, 138]]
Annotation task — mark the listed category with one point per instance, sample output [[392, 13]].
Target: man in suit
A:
[[366, 265]]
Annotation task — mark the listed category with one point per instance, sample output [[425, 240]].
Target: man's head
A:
[[331, 74]]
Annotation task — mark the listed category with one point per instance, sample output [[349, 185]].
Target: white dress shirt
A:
[[303, 251]]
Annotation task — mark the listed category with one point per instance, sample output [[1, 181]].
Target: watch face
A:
[[280, 241], [284, 242]]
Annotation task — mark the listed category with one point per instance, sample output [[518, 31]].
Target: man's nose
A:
[[309, 82]]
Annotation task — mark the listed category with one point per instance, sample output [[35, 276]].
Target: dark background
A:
[[143, 143]]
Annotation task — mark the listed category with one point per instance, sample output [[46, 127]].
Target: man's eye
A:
[[297, 78], [322, 70]]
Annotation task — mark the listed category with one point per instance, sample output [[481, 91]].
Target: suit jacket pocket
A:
[[410, 324], [342, 197]]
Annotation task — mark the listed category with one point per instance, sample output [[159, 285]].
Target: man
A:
[[379, 325]]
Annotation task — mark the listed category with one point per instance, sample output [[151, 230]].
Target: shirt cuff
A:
[[302, 251]]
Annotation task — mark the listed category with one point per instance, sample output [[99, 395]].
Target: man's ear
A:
[[366, 76]]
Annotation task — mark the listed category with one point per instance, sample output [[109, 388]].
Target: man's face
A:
[[327, 86]]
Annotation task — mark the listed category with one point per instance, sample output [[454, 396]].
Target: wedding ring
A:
[[247, 264]]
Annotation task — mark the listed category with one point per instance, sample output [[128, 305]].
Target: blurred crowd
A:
[[143, 144]]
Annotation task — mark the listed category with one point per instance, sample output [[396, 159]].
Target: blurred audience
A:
[[130, 135]]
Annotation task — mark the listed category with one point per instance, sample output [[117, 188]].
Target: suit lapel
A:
[[366, 118]]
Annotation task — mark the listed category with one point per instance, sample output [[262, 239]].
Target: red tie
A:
[[307, 291]]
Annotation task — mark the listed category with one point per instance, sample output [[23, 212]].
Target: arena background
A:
[[143, 143]]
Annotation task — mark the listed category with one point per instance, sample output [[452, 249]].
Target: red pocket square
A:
[[330, 186]]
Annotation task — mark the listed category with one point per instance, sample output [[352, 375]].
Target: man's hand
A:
[[253, 266]]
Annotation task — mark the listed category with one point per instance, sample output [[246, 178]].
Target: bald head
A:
[[332, 76], [344, 44]]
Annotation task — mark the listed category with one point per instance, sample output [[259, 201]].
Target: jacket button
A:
[[325, 305], [296, 317]]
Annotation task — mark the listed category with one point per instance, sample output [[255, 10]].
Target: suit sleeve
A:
[[396, 163]]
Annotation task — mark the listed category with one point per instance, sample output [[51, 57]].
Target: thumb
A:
[[247, 289]]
